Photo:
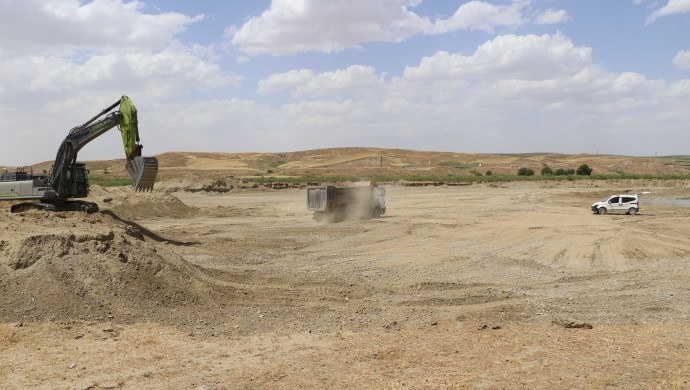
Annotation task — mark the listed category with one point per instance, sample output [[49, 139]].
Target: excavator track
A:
[[56, 205], [143, 171]]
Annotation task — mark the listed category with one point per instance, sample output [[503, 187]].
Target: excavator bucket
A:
[[143, 171]]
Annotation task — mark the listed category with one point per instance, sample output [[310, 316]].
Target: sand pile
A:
[[75, 266], [127, 203], [194, 183], [222, 185], [673, 193]]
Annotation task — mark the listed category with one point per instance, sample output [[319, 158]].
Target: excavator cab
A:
[[76, 179]]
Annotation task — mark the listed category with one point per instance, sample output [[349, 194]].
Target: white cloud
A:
[[682, 59], [30, 25], [35, 80], [51, 49], [525, 57], [582, 108], [672, 7], [552, 16], [515, 92], [63, 61], [355, 79], [292, 26], [539, 93], [57, 93], [287, 80], [545, 77], [479, 15]]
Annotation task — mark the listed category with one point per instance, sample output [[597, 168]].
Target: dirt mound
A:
[[673, 193], [221, 185], [196, 183], [127, 203], [74, 266]]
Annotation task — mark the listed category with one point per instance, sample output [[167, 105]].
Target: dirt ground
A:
[[483, 286]]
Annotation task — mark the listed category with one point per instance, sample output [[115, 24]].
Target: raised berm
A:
[[74, 266]]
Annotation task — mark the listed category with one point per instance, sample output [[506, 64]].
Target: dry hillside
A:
[[366, 161]]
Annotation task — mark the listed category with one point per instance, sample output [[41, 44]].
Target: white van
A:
[[628, 203]]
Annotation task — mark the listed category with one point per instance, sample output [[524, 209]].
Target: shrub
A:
[[584, 170], [525, 172], [489, 173], [546, 171], [563, 172]]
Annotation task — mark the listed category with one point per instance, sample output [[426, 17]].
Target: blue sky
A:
[[488, 76]]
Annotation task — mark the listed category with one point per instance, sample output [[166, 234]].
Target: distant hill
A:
[[369, 161]]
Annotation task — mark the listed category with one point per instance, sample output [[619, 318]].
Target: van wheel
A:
[[602, 210], [632, 211]]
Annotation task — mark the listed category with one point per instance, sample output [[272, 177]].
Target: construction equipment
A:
[[68, 178], [336, 204]]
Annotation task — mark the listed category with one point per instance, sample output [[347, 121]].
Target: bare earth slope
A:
[[365, 161], [515, 285]]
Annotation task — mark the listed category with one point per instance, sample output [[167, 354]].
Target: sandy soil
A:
[[484, 286]]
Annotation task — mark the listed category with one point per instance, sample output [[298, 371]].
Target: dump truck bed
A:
[[324, 198]]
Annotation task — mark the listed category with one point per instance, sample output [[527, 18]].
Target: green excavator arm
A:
[[143, 170], [129, 126]]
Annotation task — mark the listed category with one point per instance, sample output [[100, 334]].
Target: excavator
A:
[[68, 179]]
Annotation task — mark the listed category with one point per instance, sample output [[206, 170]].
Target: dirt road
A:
[[484, 286]]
